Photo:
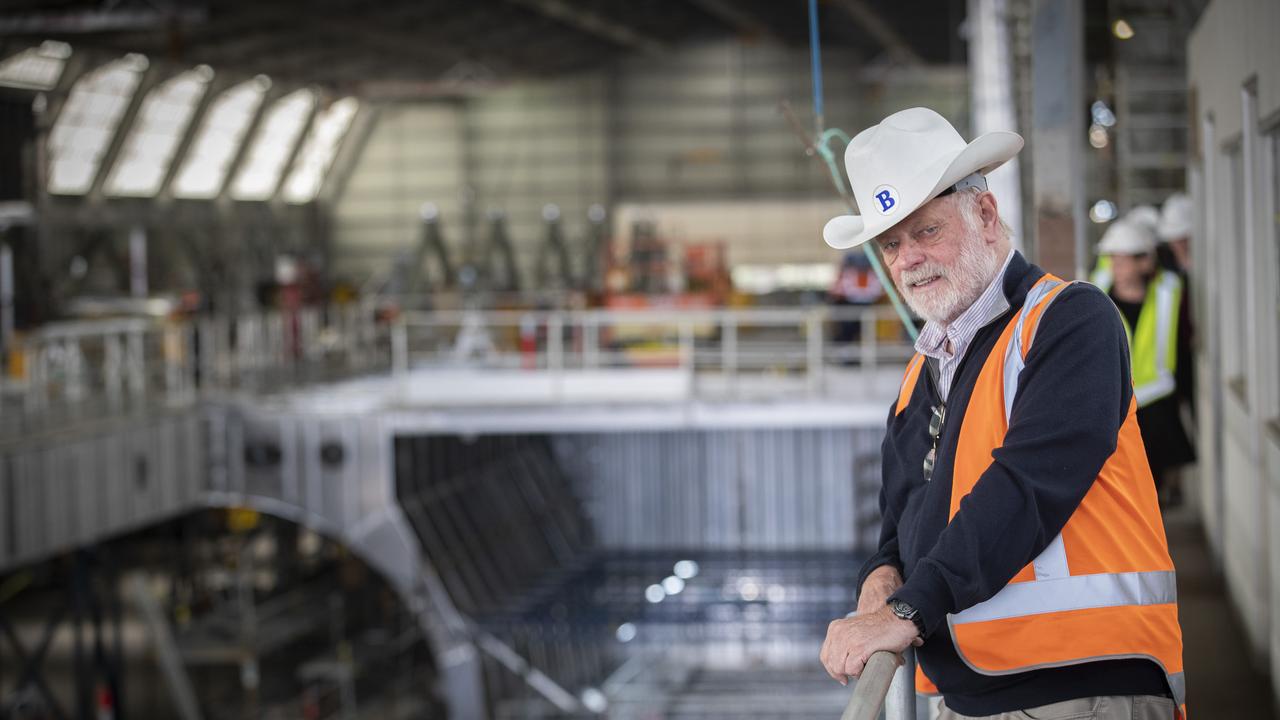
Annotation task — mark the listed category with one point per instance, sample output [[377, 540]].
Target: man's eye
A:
[[889, 246], [931, 230]]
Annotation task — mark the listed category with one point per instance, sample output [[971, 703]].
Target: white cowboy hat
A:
[[908, 159], [1126, 237], [1176, 217]]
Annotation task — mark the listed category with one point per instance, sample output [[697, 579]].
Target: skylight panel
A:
[[318, 150], [273, 144], [164, 117], [204, 170], [88, 122], [37, 68]]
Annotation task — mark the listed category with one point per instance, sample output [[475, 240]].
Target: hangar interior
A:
[[483, 359]]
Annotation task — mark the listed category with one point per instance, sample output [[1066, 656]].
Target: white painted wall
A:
[[1234, 75]]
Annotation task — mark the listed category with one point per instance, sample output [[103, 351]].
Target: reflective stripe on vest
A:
[[1101, 272], [1121, 603], [909, 382], [1153, 344]]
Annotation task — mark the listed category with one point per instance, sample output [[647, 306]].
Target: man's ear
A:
[[989, 213]]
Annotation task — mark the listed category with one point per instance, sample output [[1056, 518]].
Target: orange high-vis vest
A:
[[1104, 587]]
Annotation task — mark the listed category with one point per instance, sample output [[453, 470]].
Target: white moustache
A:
[[927, 272]]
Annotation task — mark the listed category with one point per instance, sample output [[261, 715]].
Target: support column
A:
[[991, 93], [6, 298], [1057, 137], [138, 261]]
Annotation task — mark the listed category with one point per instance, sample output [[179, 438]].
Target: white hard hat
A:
[[904, 162], [1146, 215], [1126, 237], [1176, 218]]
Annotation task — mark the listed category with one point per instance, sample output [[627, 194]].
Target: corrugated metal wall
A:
[[729, 489], [413, 155], [539, 144], [702, 124]]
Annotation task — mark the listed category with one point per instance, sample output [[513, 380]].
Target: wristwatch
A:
[[904, 610]]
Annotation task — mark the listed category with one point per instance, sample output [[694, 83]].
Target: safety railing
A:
[[886, 684], [718, 348], [92, 369]]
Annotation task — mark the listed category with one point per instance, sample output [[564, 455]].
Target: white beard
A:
[[960, 286]]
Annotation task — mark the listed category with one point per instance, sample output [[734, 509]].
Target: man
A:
[[855, 286], [1021, 547], [1145, 215], [1175, 234], [1154, 308]]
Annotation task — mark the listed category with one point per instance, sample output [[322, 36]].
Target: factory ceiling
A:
[[434, 47]]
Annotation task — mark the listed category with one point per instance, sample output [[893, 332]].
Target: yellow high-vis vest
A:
[[1153, 345]]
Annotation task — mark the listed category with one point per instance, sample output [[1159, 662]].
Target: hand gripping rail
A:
[[886, 683]]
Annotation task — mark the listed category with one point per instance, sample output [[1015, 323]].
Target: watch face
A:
[[903, 610]]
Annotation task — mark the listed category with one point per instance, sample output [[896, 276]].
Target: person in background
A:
[[1174, 230], [856, 286], [1147, 216], [1153, 303]]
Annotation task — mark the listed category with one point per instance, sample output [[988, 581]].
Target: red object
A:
[[290, 304], [529, 342], [106, 704]]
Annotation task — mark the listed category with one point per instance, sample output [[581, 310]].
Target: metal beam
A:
[[172, 670], [85, 22], [294, 63], [735, 17], [194, 125], [876, 26], [597, 25], [269, 98], [275, 201], [241, 53], [350, 150], [153, 77], [31, 662]]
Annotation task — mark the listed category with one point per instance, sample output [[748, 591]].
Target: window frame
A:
[[1269, 247], [1231, 245], [129, 152]]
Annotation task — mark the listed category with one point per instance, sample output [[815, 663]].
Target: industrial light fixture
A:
[[686, 569], [1098, 136], [1102, 114], [594, 700], [1102, 211], [655, 593], [1122, 29]]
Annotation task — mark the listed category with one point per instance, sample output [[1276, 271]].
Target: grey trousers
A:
[[1135, 707]]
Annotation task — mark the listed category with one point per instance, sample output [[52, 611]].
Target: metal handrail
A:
[[724, 325], [94, 369], [885, 684]]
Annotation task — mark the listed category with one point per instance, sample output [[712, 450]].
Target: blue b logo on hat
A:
[[886, 199]]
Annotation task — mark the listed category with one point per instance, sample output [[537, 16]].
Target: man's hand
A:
[[877, 587], [850, 641]]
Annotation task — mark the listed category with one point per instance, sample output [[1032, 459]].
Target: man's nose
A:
[[910, 254]]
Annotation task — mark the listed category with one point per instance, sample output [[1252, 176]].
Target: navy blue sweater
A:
[[1072, 398]]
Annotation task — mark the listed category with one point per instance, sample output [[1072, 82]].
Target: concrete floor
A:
[[1221, 682]]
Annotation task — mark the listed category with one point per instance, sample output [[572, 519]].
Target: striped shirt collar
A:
[[990, 305]]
